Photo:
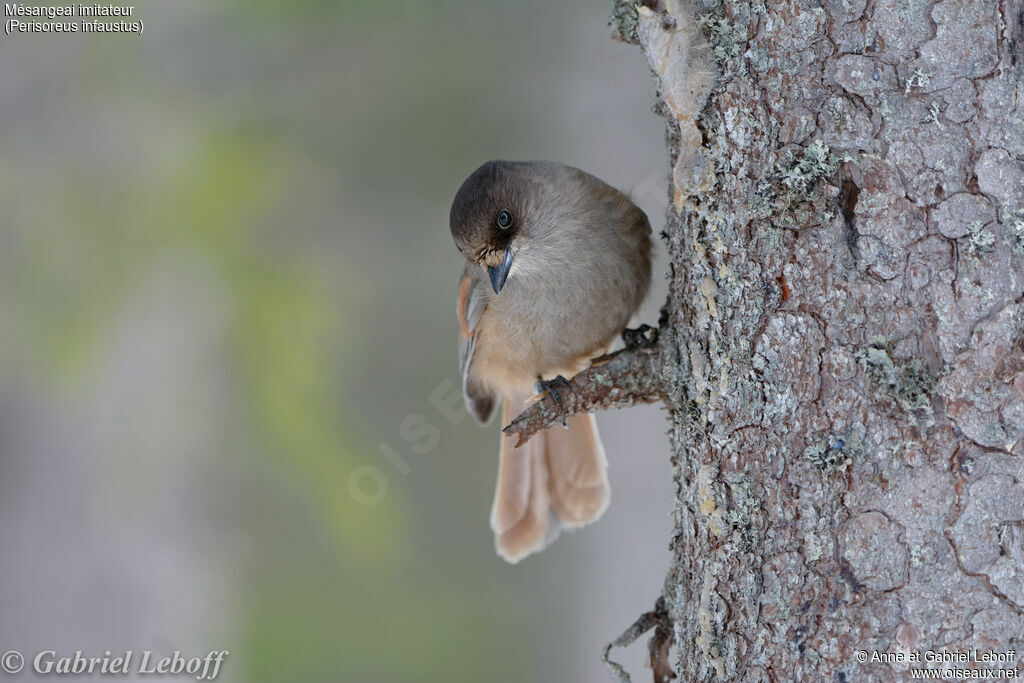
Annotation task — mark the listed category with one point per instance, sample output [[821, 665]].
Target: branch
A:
[[621, 379], [658, 646]]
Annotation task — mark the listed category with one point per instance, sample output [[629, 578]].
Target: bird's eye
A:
[[504, 219]]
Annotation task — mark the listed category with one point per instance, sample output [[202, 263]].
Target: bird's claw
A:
[[643, 337], [551, 387]]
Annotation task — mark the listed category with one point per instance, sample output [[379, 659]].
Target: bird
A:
[[557, 263]]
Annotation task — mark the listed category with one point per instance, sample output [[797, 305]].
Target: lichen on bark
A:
[[844, 337]]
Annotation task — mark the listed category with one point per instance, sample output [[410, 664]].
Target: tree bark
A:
[[842, 353]]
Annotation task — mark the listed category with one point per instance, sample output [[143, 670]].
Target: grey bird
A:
[[557, 264]]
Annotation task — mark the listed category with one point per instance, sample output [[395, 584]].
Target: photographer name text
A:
[[144, 662]]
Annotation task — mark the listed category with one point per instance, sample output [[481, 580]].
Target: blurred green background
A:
[[228, 340]]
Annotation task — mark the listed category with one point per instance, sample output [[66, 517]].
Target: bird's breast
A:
[[526, 334]]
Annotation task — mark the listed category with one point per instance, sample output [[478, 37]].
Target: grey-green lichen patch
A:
[[743, 504], [835, 109], [979, 238], [623, 21], [918, 79], [838, 450], [1017, 230], [907, 381], [762, 205], [932, 115], [723, 42], [824, 457], [800, 172], [886, 107]]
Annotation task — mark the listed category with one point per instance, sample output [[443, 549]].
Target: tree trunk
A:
[[843, 344]]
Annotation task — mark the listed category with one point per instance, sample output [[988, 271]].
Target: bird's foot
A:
[[643, 337], [551, 387]]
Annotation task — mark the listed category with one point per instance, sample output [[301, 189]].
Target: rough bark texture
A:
[[843, 355]]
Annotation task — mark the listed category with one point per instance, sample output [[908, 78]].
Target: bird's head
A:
[[492, 216]]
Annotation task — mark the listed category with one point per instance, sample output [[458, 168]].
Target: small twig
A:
[[620, 379], [658, 646]]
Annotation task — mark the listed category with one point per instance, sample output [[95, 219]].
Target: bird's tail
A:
[[557, 479]]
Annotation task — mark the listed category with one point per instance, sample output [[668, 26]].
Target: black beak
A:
[[500, 273]]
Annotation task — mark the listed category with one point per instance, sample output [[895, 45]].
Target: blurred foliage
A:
[[283, 327]]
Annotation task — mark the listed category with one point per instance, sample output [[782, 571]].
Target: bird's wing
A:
[[470, 308]]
